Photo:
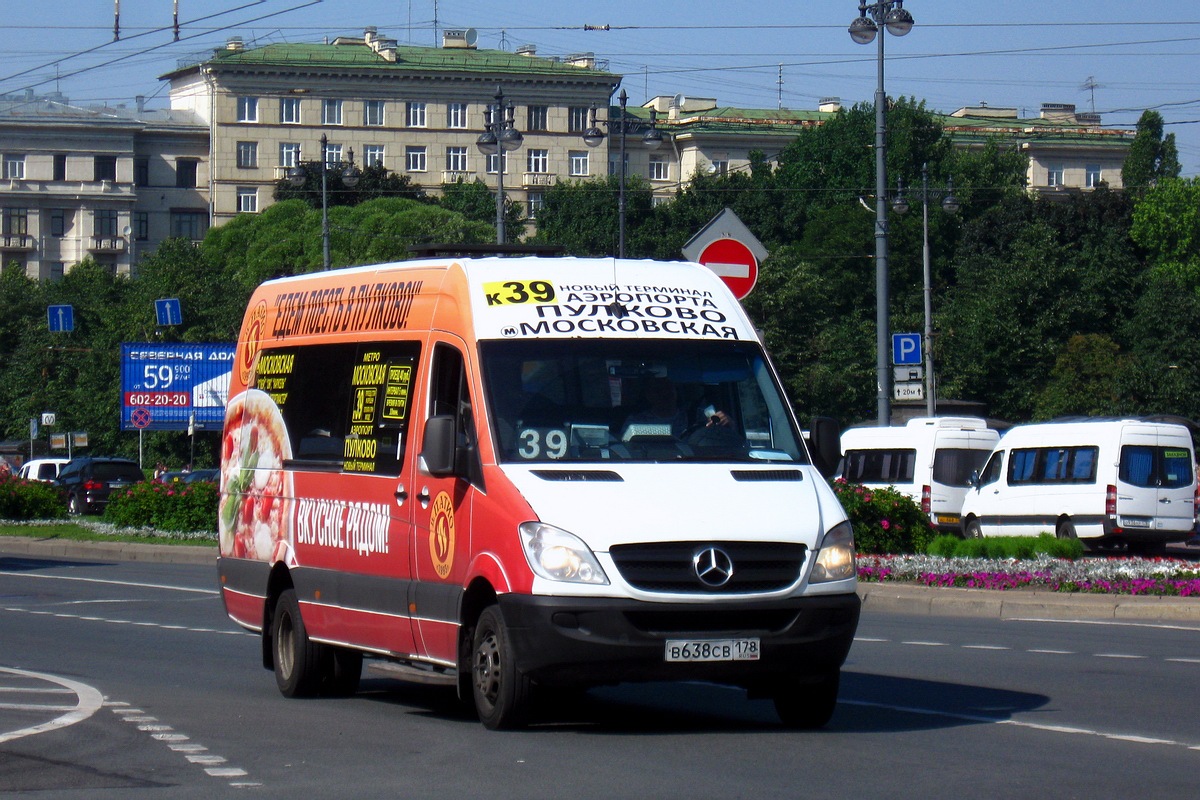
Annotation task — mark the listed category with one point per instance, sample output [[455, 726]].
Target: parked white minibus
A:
[[1104, 481], [930, 459]]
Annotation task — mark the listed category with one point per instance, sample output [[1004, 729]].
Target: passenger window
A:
[[344, 407]]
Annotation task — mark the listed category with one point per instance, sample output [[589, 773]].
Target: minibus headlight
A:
[[835, 558], [557, 555]]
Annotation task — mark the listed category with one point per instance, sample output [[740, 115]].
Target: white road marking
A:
[[89, 702], [194, 752], [927, 644], [1067, 729], [984, 647], [1108, 622], [107, 582], [112, 621]]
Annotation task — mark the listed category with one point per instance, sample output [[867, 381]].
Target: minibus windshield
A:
[[576, 400]]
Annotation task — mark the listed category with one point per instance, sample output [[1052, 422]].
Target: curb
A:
[[111, 551], [1024, 604], [898, 598]]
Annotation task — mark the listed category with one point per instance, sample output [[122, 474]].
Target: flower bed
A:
[[1133, 576]]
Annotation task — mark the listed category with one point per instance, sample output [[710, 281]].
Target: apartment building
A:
[[1068, 150], [416, 110], [99, 182]]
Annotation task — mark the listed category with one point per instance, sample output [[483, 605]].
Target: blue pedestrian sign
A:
[[167, 311], [906, 349], [61, 319]]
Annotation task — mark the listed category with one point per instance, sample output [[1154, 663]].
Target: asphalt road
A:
[[123, 679]]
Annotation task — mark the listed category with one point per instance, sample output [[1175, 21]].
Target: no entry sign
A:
[[734, 263], [727, 247]]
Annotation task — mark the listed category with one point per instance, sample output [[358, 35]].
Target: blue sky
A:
[[1115, 57]]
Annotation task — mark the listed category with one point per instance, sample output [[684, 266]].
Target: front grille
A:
[[668, 566]]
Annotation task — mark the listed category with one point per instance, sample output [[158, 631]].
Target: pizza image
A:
[[254, 518]]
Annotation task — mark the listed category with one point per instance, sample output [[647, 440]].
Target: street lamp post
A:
[[349, 175], [651, 139], [500, 135], [889, 14], [950, 205]]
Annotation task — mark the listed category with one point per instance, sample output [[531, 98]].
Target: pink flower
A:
[[885, 524]]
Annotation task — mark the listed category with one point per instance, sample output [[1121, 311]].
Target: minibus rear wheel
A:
[[973, 530], [1066, 530], [298, 660], [501, 691]]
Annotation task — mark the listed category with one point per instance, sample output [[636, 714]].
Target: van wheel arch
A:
[[972, 529], [279, 581], [479, 595], [1065, 529]]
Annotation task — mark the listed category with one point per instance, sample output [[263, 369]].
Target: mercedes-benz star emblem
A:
[[713, 566]]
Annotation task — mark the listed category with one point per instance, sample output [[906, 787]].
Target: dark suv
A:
[[88, 481]]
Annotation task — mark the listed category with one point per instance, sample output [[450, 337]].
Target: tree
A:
[[475, 201], [1152, 156], [374, 181], [582, 216], [1085, 381]]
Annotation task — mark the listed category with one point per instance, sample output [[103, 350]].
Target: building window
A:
[[720, 167], [185, 173], [16, 221], [141, 225], [577, 119], [141, 172], [1094, 176], [372, 155], [493, 163], [456, 159], [247, 155], [59, 222], [614, 164], [577, 164], [537, 201], [289, 154], [247, 200], [14, 167], [1054, 175], [189, 224], [456, 115], [415, 159], [57, 270], [373, 112], [289, 111], [105, 168], [104, 222], [536, 117], [60, 166], [333, 155], [247, 109], [331, 112], [414, 116], [660, 169], [539, 160]]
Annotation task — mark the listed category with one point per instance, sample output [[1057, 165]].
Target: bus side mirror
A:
[[825, 443], [438, 445]]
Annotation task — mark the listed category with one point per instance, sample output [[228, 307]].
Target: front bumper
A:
[[590, 641]]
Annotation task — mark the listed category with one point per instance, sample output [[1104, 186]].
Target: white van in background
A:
[[42, 469], [1103, 481], [930, 459]]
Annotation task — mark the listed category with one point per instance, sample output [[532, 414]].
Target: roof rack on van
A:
[[442, 250]]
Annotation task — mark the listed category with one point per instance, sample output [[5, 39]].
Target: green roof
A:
[[423, 59]]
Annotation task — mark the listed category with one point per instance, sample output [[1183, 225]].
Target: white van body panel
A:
[[926, 436], [1149, 506]]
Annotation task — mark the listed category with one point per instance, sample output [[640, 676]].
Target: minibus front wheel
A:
[[501, 690]]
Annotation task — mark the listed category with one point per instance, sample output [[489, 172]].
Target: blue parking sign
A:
[[906, 349]]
